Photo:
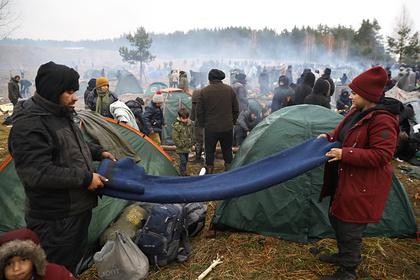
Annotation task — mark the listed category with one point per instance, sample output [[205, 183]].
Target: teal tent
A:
[[12, 196], [128, 84], [153, 87], [291, 210]]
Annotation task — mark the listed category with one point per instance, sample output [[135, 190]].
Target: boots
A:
[[330, 258], [341, 274], [227, 166], [198, 151], [209, 169]]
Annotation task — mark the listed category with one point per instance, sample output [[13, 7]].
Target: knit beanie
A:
[[370, 84], [283, 80], [102, 81], [22, 243], [157, 97], [216, 75], [53, 79]]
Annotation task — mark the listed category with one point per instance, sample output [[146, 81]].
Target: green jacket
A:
[[182, 136]]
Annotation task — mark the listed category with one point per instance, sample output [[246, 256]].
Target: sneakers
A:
[[329, 258], [341, 274]]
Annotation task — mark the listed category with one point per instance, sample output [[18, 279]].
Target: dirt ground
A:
[[253, 256]]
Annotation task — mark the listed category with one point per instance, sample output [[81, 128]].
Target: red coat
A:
[[56, 272], [365, 171]]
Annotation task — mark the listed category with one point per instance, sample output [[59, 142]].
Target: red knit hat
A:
[[370, 84], [19, 234]]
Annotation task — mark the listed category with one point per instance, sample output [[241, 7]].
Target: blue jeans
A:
[[183, 160]]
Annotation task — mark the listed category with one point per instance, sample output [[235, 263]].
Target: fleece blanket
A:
[[129, 181]]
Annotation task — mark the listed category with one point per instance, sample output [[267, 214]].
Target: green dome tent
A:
[[12, 196], [128, 84], [291, 210]]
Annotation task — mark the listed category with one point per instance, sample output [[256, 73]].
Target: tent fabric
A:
[[173, 101], [291, 210], [106, 135], [12, 196], [128, 84], [129, 181]]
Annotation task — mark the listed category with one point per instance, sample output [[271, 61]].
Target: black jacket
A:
[[283, 96], [52, 160], [91, 98], [14, 92], [152, 119]]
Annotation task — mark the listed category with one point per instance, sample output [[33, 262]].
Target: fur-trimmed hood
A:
[[22, 243]]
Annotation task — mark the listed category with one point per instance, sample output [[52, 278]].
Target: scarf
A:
[[102, 101]]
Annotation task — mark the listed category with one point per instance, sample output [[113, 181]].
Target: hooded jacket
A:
[[25, 243], [305, 88], [152, 118], [14, 92], [52, 160], [240, 92], [364, 172], [182, 135]]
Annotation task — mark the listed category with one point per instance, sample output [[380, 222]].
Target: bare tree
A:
[[7, 18]]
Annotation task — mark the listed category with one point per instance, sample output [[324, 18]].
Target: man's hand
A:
[[108, 155], [97, 182], [334, 154]]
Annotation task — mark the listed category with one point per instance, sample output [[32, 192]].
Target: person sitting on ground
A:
[[153, 118], [136, 106], [21, 257], [343, 103], [100, 98], [182, 135], [319, 94]]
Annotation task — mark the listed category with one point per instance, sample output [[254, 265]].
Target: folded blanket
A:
[[129, 181]]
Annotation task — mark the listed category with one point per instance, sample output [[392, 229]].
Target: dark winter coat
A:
[[245, 121], [52, 160], [305, 88], [152, 119], [218, 108], [241, 94], [319, 94], [91, 99], [283, 96], [332, 85], [365, 170], [137, 110], [14, 92], [194, 103]]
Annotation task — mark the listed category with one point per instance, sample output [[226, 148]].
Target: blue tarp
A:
[[129, 181]]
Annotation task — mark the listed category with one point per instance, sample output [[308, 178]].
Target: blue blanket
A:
[[129, 181]]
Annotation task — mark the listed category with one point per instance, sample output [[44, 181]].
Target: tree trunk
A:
[[141, 73]]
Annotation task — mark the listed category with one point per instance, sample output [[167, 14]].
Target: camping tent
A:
[[128, 84], [174, 99], [12, 197], [291, 210], [153, 87]]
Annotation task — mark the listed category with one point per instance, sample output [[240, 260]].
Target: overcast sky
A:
[[99, 19]]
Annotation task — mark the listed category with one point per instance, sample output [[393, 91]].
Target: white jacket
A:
[[122, 113]]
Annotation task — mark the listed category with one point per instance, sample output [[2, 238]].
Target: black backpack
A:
[[196, 217], [164, 236]]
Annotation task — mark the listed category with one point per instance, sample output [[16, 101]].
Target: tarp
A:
[[291, 210], [129, 181], [12, 196]]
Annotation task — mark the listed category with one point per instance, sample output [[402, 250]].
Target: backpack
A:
[[164, 236], [196, 217]]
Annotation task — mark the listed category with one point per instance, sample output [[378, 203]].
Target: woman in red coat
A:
[[358, 176], [22, 258]]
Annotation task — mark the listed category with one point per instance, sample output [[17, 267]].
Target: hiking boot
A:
[[329, 258], [341, 274]]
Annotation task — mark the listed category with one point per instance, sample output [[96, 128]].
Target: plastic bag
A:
[[121, 259]]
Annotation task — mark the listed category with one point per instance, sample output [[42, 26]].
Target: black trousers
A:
[[349, 242], [210, 141], [63, 240]]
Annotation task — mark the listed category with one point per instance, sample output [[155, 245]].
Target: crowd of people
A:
[[54, 161]]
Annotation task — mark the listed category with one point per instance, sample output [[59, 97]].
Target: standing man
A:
[[54, 164], [198, 128], [99, 99], [240, 91], [217, 111], [14, 91], [358, 176]]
